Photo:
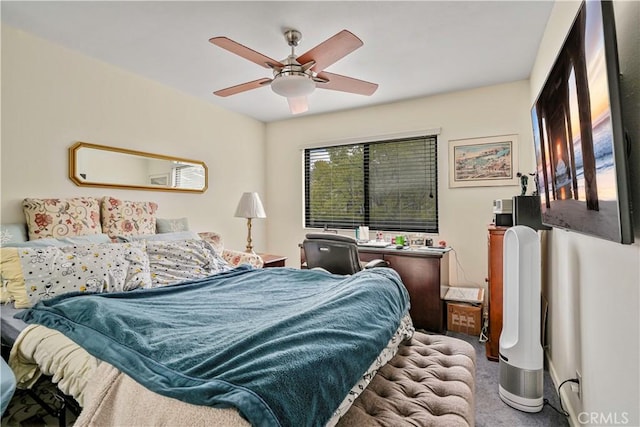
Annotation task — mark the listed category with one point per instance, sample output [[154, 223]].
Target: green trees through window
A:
[[387, 185]]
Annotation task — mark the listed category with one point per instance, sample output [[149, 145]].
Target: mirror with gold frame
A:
[[93, 165]]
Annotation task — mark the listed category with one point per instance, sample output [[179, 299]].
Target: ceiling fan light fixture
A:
[[298, 105], [293, 85]]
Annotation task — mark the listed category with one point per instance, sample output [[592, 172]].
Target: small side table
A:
[[271, 260]]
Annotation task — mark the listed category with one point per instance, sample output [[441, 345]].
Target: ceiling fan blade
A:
[[346, 84], [242, 87], [298, 105], [245, 52], [331, 50]]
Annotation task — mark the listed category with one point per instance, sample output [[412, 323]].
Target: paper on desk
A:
[[363, 233], [375, 244], [432, 249], [471, 295]]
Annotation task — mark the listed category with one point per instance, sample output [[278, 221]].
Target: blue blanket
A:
[[283, 346]]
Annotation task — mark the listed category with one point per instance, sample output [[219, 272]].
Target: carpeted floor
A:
[[24, 411], [491, 411]]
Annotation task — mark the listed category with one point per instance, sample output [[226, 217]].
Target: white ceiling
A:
[[411, 49]]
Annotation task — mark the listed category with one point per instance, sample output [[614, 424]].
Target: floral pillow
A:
[[177, 261], [125, 218], [214, 239], [239, 258], [62, 217]]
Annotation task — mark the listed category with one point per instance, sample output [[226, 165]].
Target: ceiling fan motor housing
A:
[[291, 81], [293, 37]]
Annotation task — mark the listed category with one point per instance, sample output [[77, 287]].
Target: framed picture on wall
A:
[[483, 162], [159, 179]]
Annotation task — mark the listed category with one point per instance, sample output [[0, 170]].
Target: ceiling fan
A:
[[297, 76]]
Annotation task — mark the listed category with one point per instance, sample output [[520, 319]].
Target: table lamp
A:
[[250, 207]]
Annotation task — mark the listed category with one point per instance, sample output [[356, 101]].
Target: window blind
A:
[[188, 176], [386, 185]]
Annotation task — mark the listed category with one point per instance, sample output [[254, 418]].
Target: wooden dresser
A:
[[495, 239]]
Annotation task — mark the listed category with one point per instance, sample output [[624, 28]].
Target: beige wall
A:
[[464, 212], [53, 97], [593, 286]]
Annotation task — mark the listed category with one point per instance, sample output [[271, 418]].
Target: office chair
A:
[[335, 253]]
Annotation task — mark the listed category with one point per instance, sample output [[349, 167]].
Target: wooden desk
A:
[[423, 274], [271, 260]]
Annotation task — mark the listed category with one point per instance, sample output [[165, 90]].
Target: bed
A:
[[427, 377], [175, 325], [315, 334]]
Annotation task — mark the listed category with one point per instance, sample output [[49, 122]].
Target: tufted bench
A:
[[430, 382]]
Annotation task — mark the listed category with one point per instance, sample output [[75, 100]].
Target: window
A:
[[188, 176], [387, 185]]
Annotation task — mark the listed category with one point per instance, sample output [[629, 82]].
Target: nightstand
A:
[[272, 260]]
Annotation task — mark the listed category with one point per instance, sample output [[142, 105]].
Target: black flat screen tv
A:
[[582, 173]]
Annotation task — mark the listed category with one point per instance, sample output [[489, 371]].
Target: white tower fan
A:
[[521, 359]]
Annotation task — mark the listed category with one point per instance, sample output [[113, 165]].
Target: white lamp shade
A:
[[293, 86], [250, 206]]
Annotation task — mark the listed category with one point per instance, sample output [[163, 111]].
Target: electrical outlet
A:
[[579, 377]]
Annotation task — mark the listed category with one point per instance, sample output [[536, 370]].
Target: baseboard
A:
[[573, 416]]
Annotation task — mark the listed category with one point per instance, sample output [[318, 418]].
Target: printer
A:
[[503, 212]]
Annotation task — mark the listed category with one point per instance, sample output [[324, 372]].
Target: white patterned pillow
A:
[[177, 261], [178, 235], [13, 233], [164, 225], [87, 239], [109, 267]]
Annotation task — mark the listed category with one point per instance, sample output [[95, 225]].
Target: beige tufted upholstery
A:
[[430, 382]]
